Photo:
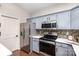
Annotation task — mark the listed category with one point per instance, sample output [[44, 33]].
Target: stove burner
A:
[[49, 37]]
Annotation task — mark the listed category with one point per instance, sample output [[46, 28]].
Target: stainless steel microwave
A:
[[49, 25]]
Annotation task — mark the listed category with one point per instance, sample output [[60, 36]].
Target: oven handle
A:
[[47, 42]]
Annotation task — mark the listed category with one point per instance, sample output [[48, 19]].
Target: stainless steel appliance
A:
[[47, 44], [49, 25], [25, 36]]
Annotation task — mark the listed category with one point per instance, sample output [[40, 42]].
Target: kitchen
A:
[[45, 29], [56, 34]]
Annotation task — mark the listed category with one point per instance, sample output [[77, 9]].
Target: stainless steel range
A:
[[47, 44]]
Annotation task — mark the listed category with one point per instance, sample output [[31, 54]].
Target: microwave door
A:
[[49, 25]]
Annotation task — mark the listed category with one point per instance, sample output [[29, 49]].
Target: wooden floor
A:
[[23, 53]]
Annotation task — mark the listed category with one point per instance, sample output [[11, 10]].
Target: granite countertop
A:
[[75, 45]]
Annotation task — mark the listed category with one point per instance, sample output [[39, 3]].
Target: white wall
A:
[[55, 8], [14, 11]]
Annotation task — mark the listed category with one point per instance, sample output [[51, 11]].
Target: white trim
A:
[[9, 16]]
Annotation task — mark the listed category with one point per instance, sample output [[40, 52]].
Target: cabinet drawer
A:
[[36, 46], [62, 44], [58, 44]]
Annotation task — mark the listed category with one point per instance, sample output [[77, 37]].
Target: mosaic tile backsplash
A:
[[62, 33]]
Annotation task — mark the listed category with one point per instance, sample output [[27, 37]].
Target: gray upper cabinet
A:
[[63, 20], [33, 26], [52, 18], [44, 19], [75, 18], [49, 18], [38, 23]]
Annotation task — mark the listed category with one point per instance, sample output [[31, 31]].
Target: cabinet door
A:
[[52, 17], [75, 18], [33, 27], [49, 18], [63, 20], [70, 51], [60, 51], [36, 46], [45, 19], [38, 23]]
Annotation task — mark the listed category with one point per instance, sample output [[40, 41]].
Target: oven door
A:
[[47, 48]]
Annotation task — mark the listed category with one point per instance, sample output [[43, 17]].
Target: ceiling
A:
[[34, 7]]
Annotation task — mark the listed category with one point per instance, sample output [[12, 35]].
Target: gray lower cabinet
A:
[[60, 51], [64, 50], [37, 22], [70, 51], [35, 45]]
